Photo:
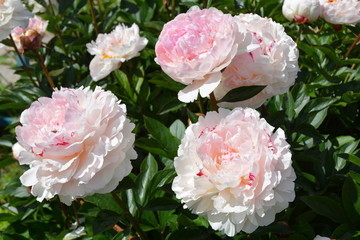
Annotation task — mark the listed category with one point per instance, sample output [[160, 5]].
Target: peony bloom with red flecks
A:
[[233, 169], [77, 143]]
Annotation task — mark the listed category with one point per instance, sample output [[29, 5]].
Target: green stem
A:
[[93, 17], [46, 72], [26, 69], [129, 216], [213, 102], [298, 34]]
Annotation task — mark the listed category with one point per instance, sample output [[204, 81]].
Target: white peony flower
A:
[[16, 150], [12, 14], [340, 11], [301, 11], [273, 63], [112, 49], [78, 143], [234, 170], [318, 237]]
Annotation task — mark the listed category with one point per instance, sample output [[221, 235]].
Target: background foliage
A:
[[320, 116]]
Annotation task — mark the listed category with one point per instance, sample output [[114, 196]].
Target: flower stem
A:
[[93, 16], [298, 34], [26, 69], [129, 216], [352, 46], [205, 3], [213, 102], [46, 72]]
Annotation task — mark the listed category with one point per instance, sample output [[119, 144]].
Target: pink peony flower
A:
[[31, 37], [195, 47], [112, 49], [12, 14], [77, 143], [301, 11], [340, 11], [234, 170], [273, 63]]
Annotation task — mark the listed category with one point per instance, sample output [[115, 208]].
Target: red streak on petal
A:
[[200, 173], [300, 19], [252, 56]]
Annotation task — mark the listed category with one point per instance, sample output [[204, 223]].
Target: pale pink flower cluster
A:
[[30, 37], [112, 49], [301, 11], [233, 169], [12, 14], [340, 11], [273, 62], [211, 51], [77, 143]]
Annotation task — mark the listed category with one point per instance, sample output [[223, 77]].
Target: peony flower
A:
[[195, 47], [340, 11], [234, 170], [31, 37], [16, 150], [273, 63], [318, 237], [12, 14], [112, 49], [301, 11], [78, 143]]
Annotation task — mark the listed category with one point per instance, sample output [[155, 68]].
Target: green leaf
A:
[[104, 201], [351, 201], [351, 158], [104, 220], [326, 207], [148, 169], [189, 234], [151, 146], [355, 176], [161, 178], [241, 93], [163, 135], [126, 183], [177, 129], [162, 204]]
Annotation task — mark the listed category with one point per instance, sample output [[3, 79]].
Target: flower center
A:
[[330, 1], [105, 56], [2, 1]]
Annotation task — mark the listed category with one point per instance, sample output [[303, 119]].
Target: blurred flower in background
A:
[[234, 170], [112, 49], [301, 11], [340, 11], [12, 14], [31, 37]]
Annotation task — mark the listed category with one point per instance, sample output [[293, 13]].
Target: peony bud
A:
[[30, 39], [301, 11]]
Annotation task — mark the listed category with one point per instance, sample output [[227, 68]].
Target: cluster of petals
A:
[[112, 49], [195, 47], [301, 11], [273, 62], [340, 11], [234, 170], [12, 14], [30, 37], [77, 143]]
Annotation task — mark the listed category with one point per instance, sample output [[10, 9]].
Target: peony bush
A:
[[179, 119]]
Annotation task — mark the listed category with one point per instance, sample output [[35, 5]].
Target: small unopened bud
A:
[[30, 39], [301, 11]]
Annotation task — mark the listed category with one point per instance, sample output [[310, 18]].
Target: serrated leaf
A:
[[241, 93]]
